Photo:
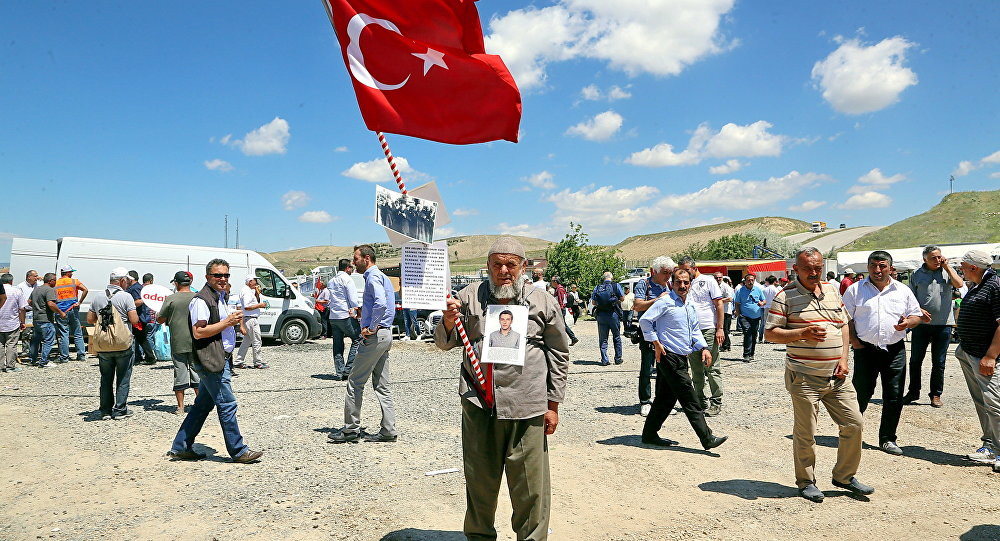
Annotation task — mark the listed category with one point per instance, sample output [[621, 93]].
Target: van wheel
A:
[[294, 331]]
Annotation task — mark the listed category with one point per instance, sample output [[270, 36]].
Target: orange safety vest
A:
[[67, 292]]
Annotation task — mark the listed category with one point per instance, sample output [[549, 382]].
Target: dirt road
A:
[[66, 475]]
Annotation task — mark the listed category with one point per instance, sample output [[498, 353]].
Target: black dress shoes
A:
[[714, 442]]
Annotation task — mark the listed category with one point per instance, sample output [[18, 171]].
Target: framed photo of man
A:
[[503, 338]]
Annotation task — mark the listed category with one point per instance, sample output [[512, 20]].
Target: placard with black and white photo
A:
[[503, 338], [409, 216]]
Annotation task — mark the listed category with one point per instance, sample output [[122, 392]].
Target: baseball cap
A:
[[249, 277], [182, 277], [118, 273], [66, 267]]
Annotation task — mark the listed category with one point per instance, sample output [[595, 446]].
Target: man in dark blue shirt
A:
[[607, 298]]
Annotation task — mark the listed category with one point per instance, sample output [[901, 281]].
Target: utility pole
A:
[[225, 239], [951, 184], [237, 232]]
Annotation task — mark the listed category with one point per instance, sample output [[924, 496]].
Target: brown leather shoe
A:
[[249, 457], [936, 401]]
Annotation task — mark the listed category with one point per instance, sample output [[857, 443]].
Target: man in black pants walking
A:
[[672, 327]]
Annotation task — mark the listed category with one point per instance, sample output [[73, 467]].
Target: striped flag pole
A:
[[473, 358]]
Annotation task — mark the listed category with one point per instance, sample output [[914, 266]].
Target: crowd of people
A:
[[684, 321]]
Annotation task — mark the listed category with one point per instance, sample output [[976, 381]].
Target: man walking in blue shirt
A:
[[607, 298], [378, 305], [749, 302], [671, 325]]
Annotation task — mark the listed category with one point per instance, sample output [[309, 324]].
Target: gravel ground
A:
[[67, 475]]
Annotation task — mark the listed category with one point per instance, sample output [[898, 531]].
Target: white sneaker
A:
[[996, 465], [644, 409], [406, 338], [983, 455]]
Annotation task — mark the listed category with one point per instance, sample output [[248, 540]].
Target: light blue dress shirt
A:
[[343, 296], [378, 304], [674, 324]]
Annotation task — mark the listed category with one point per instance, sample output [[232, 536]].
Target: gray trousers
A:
[[8, 349], [252, 338], [985, 393], [491, 446], [371, 362]]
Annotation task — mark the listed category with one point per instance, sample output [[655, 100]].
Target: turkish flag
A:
[[419, 68]]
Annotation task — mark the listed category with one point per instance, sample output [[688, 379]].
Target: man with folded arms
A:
[[671, 325], [979, 333], [809, 317], [881, 309]]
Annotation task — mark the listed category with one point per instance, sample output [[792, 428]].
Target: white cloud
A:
[[218, 165], [660, 37], [964, 168], [294, 199], [465, 212], [618, 93], [377, 170], [590, 92], [732, 141], [877, 180], [316, 217], [992, 158], [541, 180], [271, 138], [867, 200], [807, 206], [731, 166], [540, 231], [995, 175], [444, 232], [340, 149], [858, 78], [607, 209], [599, 128]]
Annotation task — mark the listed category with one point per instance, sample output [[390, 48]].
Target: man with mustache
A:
[[506, 422], [671, 325], [808, 315]]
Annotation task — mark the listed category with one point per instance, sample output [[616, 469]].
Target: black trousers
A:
[[647, 362], [870, 362], [727, 325], [673, 384]]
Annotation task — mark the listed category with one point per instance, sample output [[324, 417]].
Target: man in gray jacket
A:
[[506, 421]]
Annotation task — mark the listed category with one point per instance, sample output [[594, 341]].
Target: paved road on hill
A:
[[827, 242]]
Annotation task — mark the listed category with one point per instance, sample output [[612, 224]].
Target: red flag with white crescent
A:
[[419, 68]]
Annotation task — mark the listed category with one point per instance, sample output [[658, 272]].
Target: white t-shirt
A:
[[248, 296], [770, 292], [704, 290], [728, 292], [198, 311], [541, 284], [10, 319]]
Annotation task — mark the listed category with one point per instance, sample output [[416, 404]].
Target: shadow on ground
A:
[[982, 532], [909, 451], [751, 489], [634, 440], [632, 409], [415, 534]]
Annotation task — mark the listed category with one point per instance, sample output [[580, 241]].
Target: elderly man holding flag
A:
[[505, 423]]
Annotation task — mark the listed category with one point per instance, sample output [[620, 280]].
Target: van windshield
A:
[[271, 285]]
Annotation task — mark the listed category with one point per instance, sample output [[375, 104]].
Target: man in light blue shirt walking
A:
[[672, 327], [378, 308]]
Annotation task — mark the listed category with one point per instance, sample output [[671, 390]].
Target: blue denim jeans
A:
[[116, 375], [215, 391], [751, 327], [608, 321], [340, 329], [412, 327], [938, 337], [42, 335], [70, 327]]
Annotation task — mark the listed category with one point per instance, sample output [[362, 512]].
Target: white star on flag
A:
[[431, 58]]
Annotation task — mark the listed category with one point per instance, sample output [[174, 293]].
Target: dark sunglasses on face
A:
[[219, 274]]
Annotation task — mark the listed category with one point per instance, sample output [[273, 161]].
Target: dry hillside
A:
[[643, 247]]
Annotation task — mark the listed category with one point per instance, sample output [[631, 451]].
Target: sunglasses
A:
[[219, 274]]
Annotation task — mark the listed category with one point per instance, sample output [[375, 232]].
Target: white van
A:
[[289, 316]]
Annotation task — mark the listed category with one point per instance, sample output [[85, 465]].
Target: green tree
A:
[[576, 261], [738, 246]]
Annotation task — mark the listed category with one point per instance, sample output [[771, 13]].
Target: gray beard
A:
[[506, 291]]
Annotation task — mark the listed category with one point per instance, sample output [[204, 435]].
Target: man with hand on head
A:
[[505, 423], [671, 326], [809, 317], [881, 309], [213, 330]]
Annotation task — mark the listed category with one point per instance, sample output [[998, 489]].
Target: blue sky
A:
[[151, 121]]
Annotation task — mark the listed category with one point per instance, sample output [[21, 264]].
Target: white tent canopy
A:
[[908, 259]]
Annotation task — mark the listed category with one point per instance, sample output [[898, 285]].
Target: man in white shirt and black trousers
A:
[[881, 310], [251, 303]]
